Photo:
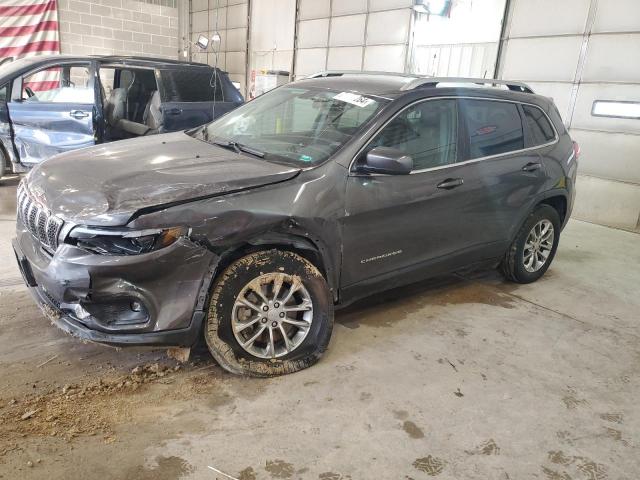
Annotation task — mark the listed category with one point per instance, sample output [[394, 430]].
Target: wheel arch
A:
[[304, 246], [559, 202]]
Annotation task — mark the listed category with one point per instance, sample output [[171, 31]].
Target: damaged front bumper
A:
[[155, 298]]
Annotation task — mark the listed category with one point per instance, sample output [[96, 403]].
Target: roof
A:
[[368, 83], [393, 84], [18, 66], [144, 60]]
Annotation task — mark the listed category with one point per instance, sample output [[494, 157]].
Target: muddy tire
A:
[[270, 313], [534, 247], [3, 163]]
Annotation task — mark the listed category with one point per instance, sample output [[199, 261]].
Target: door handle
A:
[[531, 167], [78, 114], [174, 111], [450, 183]]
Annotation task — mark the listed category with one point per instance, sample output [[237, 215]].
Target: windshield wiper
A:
[[238, 147]]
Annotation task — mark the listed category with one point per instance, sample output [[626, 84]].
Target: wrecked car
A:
[[248, 231], [55, 104]]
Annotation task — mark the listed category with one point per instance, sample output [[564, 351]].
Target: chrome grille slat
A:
[[41, 223]]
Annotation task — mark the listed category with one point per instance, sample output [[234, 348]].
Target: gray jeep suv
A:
[[248, 230]]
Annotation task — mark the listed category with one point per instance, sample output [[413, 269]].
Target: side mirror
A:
[[385, 160]]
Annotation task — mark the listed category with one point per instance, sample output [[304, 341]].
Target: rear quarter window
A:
[[538, 125], [191, 85]]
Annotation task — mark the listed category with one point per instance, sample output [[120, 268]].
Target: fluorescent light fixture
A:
[[203, 42], [215, 38], [616, 109]]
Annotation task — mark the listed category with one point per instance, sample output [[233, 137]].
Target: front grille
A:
[[43, 225]]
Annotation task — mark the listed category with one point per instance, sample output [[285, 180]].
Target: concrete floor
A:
[[458, 378]]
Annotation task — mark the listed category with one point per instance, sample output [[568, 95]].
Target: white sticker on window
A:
[[353, 99]]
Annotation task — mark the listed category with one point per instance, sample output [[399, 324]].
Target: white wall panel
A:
[[314, 9], [596, 158], [375, 5], [310, 60], [388, 58], [200, 22], [273, 25], [614, 58], [587, 93], [236, 39], [548, 17], [607, 202], [281, 60], [345, 58], [219, 15], [388, 27], [213, 4], [313, 33], [236, 62], [237, 16], [617, 16], [553, 58], [199, 5], [348, 30], [347, 7]]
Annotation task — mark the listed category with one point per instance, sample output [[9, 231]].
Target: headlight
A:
[[105, 241]]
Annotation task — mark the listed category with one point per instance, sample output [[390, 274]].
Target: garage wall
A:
[[352, 35], [272, 35], [578, 51], [120, 27], [463, 44], [232, 25]]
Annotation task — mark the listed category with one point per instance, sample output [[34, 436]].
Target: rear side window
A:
[[493, 127], [428, 131], [191, 85], [540, 129]]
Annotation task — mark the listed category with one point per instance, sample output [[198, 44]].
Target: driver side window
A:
[[59, 84], [428, 131]]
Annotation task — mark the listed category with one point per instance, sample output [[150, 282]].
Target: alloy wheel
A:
[[272, 315], [538, 246]]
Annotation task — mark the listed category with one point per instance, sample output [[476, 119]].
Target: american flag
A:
[[27, 28]]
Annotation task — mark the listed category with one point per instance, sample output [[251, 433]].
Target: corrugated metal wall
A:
[[579, 51]]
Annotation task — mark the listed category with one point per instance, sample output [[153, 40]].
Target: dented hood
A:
[[106, 184]]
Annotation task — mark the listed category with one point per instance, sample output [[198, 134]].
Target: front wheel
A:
[[270, 313], [534, 247]]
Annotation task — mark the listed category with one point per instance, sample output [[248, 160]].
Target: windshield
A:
[[301, 126]]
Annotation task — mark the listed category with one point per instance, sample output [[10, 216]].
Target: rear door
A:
[[192, 96], [510, 170], [52, 111]]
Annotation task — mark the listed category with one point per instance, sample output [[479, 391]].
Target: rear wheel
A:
[[270, 313], [534, 247]]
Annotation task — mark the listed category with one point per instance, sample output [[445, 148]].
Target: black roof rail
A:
[[340, 73], [423, 82], [134, 58]]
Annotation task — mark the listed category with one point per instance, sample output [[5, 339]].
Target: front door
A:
[[52, 111], [424, 220]]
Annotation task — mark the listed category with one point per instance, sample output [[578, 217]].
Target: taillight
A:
[[576, 150]]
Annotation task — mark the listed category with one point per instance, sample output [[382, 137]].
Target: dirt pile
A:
[[90, 409]]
